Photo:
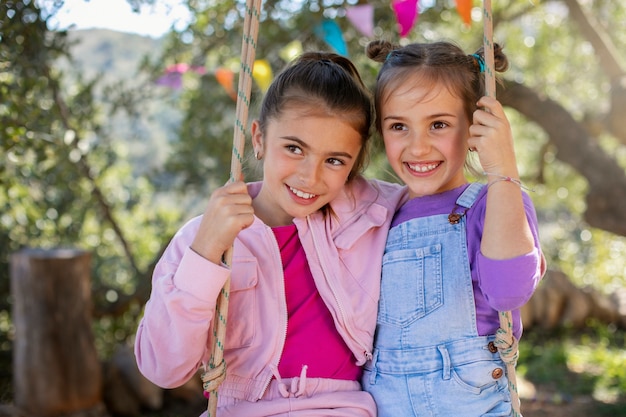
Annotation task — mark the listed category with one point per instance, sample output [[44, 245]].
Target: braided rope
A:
[[216, 373], [490, 79], [506, 343], [213, 377], [508, 348]]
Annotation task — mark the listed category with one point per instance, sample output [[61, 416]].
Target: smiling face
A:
[[307, 157], [425, 129]]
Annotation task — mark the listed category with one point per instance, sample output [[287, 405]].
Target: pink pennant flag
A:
[[406, 14], [362, 18], [173, 76]]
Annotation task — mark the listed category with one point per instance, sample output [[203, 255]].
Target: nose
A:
[[309, 172], [419, 144]]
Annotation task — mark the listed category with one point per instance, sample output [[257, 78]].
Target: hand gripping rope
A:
[[216, 371], [505, 341]]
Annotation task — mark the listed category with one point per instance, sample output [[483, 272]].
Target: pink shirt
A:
[[312, 338]]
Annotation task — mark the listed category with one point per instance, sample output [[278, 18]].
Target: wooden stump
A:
[[56, 369]]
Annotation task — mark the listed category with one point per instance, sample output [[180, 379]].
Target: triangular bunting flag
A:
[[406, 14], [331, 33], [262, 74], [362, 18], [226, 77], [464, 7]]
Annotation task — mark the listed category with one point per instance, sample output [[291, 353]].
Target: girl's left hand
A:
[[491, 138]]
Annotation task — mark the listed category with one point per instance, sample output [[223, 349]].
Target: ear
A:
[[257, 136]]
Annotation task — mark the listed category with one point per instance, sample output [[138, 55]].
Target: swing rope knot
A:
[[213, 377], [507, 347]]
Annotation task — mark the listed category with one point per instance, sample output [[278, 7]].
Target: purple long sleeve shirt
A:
[[499, 285]]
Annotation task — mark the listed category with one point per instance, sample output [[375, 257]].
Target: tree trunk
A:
[[56, 370]]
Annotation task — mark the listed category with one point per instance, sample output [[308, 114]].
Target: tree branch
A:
[[607, 54], [593, 31], [607, 180]]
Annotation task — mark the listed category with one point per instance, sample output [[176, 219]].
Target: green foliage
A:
[[590, 363], [64, 181]]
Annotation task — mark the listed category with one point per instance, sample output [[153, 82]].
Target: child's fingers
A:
[[228, 211], [490, 105]]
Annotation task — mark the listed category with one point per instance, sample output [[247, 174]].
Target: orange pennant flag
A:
[[226, 78], [464, 7]]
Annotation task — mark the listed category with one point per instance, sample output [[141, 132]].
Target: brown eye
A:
[[294, 149], [335, 161]]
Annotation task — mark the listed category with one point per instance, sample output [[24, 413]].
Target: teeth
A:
[[422, 168], [301, 194]]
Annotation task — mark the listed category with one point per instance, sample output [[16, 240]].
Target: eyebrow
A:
[[431, 116], [437, 115], [304, 145]]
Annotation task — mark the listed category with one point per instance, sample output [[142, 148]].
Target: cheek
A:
[[336, 182], [458, 150], [391, 147], [457, 146]]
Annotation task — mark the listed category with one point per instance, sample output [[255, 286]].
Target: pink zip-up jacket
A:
[[344, 249]]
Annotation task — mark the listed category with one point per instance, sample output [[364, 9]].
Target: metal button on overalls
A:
[[497, 373]]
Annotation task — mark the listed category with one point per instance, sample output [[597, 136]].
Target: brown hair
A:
[[326, 82], [438, 62]]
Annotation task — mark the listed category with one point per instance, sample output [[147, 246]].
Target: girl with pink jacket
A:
[[305, 279]]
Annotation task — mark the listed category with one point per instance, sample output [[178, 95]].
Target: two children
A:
[[309, 239]]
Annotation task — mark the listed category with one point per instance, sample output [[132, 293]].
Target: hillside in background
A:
[[115, 57]]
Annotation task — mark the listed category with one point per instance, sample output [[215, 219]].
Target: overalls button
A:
[[492, 347], [497, 373]]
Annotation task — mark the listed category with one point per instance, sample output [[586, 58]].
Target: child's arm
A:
[[507, 284], [506, 231], [173, 336]]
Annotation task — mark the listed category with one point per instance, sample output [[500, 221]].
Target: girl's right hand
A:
[[229, 211]]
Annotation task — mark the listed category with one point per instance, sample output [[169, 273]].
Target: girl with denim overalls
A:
[[457, 252]]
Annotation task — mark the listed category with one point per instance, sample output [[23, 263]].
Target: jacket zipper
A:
[[284, 298], [368, 355]]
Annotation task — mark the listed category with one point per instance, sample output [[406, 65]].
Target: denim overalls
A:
[[428, 358]]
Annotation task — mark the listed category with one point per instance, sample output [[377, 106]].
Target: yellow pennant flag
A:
[[262, 74]]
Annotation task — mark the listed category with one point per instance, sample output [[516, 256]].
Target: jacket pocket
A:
[[373, 218], [242, 304], [411, 286]]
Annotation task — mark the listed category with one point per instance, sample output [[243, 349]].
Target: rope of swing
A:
[[505, 341], [215, 372]]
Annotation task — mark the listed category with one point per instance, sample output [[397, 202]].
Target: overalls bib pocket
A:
[[412, 286]]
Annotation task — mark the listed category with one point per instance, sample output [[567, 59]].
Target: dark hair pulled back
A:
[[322, 83]]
